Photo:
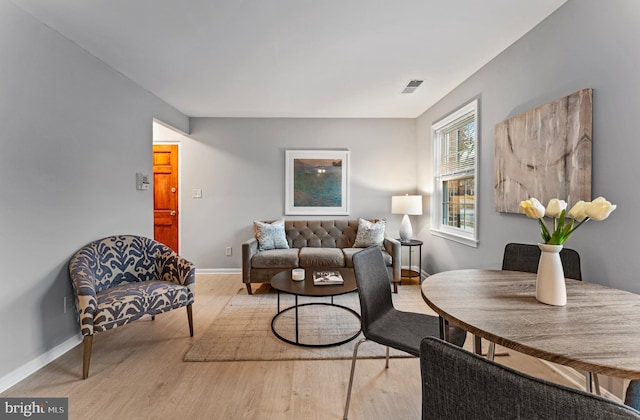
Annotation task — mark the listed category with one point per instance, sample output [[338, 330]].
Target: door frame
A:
[[176, 143]]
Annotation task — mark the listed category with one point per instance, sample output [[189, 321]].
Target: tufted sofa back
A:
[[321, 233], [119, 259]]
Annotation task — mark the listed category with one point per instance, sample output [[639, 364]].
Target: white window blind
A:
[[458, 155]]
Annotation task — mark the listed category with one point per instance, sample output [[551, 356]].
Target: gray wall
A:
[[585, 44], [74, 133], [239, 164]]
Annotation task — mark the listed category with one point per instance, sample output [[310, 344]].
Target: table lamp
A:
[[406, 205]]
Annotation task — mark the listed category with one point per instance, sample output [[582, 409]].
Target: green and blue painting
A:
[[317, 182]]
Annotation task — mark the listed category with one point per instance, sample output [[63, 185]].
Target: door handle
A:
[[173, 189], [173, 213]]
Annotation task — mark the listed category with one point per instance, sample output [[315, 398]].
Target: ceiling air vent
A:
[[412, 85]]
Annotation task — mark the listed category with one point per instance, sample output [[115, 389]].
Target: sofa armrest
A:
[[249, 249], [83, 282], [393, 247]]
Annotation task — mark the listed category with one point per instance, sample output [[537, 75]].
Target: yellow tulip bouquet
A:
[[598, 209]]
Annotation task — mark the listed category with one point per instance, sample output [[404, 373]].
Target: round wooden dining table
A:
[[597, 331]]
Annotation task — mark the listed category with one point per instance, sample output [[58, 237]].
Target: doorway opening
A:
[[166, 186], [165, 195]]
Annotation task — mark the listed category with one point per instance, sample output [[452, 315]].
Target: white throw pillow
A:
[[270, 235], [369, 233]]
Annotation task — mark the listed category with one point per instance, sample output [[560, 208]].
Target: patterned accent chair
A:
[[119, 279]]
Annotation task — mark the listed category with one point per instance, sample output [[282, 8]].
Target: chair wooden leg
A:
[[190, 318], [249, 291], [86, 357]]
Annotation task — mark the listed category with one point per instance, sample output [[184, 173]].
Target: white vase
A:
[[550, 285]]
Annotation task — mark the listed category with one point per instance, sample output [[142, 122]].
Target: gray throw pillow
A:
[[270, 235], [369, 233]]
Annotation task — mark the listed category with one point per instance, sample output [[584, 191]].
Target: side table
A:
[[410, 273]]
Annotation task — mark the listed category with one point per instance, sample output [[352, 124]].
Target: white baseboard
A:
[[39, 362], [218, 271]]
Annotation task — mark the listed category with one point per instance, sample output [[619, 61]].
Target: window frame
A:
[[438, 228]]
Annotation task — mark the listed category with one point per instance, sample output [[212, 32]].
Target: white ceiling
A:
[[294, 58]]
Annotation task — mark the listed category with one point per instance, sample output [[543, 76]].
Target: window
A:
[[455, 141]]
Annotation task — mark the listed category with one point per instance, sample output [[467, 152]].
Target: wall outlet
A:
[[228, 251]]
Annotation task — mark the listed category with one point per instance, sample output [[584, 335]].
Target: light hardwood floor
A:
[[137, 372]]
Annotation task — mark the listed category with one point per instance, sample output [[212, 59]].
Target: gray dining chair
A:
[[632, 396], [458, 384], [525, 257], [384, 324]]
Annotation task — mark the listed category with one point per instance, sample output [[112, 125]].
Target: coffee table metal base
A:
[[295, 308]]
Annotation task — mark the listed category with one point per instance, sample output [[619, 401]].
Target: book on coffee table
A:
[[326, 278]]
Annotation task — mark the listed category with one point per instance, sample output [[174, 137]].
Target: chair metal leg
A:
[[87, 343], [444, 328], [353, 369], [491, 354], [477, 345], [491, 351], [592, 379], [387, 362], [190, 318]]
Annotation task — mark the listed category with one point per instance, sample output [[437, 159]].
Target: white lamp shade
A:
[[406, 204]]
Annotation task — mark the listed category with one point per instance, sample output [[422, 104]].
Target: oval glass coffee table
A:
[[282, 282]]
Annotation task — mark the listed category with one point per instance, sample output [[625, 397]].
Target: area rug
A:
[[242, 330]]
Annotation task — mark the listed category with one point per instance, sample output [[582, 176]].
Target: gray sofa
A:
[[313, 243]]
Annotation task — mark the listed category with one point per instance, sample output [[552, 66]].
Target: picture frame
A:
[[317, 182], [545, 153]]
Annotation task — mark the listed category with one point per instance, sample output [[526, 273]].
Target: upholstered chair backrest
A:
[[458, 384], [119, 259], [525, 257], [374, 292]]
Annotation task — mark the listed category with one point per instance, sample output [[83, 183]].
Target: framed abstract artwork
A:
[[317, 182], [545, 153]]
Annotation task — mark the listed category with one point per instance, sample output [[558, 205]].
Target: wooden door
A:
[[165, 195]]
